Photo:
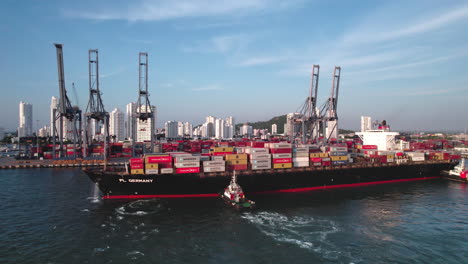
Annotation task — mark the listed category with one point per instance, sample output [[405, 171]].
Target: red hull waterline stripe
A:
[[136, 196]]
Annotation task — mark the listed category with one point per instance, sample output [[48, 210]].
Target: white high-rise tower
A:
[[116, 125], [366, 123], [130, 121], [25, 119]]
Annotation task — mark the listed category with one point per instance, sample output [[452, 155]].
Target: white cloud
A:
[[220, 44], [379, 29], [261, 61], [157, 10], [208, 88]]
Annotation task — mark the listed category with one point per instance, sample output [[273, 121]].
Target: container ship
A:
[[263, 168]]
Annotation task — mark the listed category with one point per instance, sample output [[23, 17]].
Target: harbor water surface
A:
[[53, 216]]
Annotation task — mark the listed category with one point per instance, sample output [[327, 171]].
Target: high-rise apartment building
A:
[[25, 119], [171, 128], [274, 129], [144, 126], [117, 125], [130, 120], [366, 123]]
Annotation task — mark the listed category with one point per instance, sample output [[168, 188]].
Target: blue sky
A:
[[403, 61]]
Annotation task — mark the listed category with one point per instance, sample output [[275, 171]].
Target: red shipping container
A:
[[369, 146], [383, 159], [257, 144], [316, 159], [165, 165], [326, 163], [159, 159], [136, 161], [277, 161], [136, 166], [281, 150], [221, 153], [237, 167], [188, 170]]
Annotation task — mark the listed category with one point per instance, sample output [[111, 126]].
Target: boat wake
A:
[[141, 207], [305, 232]]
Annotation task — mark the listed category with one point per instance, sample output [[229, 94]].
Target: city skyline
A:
[[402, 62]]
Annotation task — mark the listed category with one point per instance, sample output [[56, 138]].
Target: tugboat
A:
[[460, 171], [234, 196]]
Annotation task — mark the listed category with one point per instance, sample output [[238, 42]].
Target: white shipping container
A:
[[338, 149], [326, 159], [187, 159], [262, 161], [301, 150], [416, 154], [261, 166], [152, 171], [280, 145], [417, 158], [187, 164], [204, 158], [317, 164], [390, 160], [301, 154], [256, 150], [260, 156], [217, 157], [282, 156], [303, 159], [167, 170], [214, 163], [301, 164], [214, 169]]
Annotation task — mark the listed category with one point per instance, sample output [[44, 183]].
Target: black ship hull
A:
[[120, 185]]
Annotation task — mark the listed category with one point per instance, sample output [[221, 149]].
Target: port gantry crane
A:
[[328, 112], [144, 111], [95, 109], [314, 125], [309, 118], [65, 111]]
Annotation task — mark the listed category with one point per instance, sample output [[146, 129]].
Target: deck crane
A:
[[95, 109], [65, 111], [144, 111]]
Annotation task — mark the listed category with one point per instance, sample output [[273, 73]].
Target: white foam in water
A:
[[95, 194], [135, 254], [140, 207], [101, 249], [305, 232]]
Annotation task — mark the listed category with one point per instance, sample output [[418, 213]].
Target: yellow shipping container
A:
[[390, 156], [318, 155], [337, 158], [282, 166], [219, 149], [138, 171], [150, 166], [236, 156], [236, 162]]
